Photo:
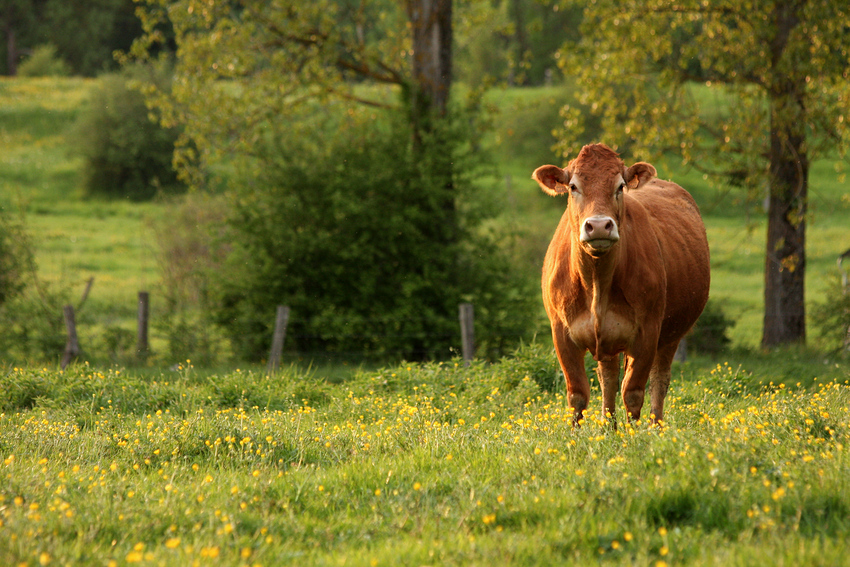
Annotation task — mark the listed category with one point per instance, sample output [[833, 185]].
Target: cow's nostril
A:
[[609, 225]]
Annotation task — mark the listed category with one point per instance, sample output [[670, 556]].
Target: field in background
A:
[[76, 239]]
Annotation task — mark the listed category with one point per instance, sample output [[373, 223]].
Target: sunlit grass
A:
[[416, 464]]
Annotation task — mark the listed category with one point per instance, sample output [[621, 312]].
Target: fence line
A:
[[282, 318]]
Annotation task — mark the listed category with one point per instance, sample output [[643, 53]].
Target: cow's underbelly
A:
[[605, 341]]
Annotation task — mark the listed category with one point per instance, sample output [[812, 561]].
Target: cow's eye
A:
[[620, 189], [573, 188]]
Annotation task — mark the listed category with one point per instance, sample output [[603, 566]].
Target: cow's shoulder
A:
[[640, 269], [664, 198]]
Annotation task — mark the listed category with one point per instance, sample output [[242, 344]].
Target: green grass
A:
[[74, 239], [417, 464]]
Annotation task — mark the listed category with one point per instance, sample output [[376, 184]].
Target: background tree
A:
[[512, 40], [125, 151], [18, 23], [84, 32], [774, 98], [332, 127]]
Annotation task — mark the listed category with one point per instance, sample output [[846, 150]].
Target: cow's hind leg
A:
[[659, 379], [608, 372]]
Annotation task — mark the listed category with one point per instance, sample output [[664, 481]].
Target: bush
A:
[[126, 153], [32, 327], [709, 333], [190, 250], [372, 251], [44, 63], [15, 257], [832, 317]]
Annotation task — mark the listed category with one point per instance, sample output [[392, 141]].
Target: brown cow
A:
[[626, 272]]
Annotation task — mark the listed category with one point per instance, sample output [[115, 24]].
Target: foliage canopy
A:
[[350, 176]]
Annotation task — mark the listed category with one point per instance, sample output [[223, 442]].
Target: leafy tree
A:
[[344, 233], [772, 98], [331, 126], [85, 32], [512, 40], [277, 57]]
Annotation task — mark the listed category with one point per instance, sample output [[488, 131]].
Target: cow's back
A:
[[677, 225]]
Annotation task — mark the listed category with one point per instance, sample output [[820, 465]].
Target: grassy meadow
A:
[[415, 464], [431, 464], [74, 239]]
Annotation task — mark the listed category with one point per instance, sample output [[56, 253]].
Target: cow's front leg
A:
[[571, 358], [608, 372]]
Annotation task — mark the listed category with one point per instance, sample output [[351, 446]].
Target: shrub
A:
[[15, 257], [32, 327], [832, 317], [126, 153], [44, 62], [709, 333], [190, 250], [372, 251]]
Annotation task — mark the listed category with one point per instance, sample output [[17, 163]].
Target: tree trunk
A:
[[785, 257], [428, 98], [785, 253], [11, 52], [521, 38], [431, 23]]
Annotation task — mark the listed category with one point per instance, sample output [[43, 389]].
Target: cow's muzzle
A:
[[599, 233]]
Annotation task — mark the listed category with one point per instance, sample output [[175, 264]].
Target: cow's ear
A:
[[638, 174], [552, 179]]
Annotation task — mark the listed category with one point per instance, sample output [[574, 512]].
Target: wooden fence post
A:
[[467, 332], [845, 288], [142, 345], [280, 323], [72, 347]]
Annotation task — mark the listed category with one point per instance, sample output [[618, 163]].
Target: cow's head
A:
[[595, 181]]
